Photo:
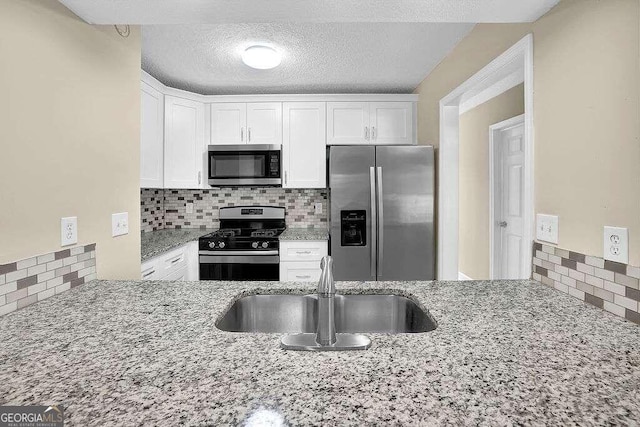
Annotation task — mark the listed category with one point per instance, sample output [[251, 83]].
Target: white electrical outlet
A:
[[69, 231], [318, 207], [120, 224], [616, 244], [189, 207], [547, 228]]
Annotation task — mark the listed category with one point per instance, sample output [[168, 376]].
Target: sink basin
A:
[[389, 314]]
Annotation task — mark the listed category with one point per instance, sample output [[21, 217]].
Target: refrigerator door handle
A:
[[380, 213], [374, 222]]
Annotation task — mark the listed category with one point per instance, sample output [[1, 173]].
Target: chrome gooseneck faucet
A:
[[325, 338], [326, 333]]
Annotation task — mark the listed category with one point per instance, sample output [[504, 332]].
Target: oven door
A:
[[244, 165], [259, 266]]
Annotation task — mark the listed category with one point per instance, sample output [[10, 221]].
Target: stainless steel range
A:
[[246, 247]]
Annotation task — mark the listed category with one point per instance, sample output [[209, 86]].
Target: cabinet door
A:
[[228, 123], [348, 123], [391, 123], [304, 149], [264, 123], [184, 143], [151, 137]]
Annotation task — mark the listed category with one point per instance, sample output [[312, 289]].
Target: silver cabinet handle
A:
[[199, 177], [285, 177], [303, 277], [366, 133], [380, 224], [145, 275], [249, 134], [241, 134], [373, 133], [503, 224], [374, 225], [303, 252]]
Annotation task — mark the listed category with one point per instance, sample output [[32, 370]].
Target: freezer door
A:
[[353, 240], [405, 213]]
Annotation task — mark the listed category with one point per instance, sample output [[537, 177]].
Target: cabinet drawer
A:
[[150, 269], [300, 271], [180, 275], [303, 251], [173, 261]]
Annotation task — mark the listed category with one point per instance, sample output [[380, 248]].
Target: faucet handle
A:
[[326, 285]]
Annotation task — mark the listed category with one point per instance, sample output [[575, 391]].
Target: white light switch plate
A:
[[547, 228], [318, 207], [120, 224], [616, 244], [69, 231]]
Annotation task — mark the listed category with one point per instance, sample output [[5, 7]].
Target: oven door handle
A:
[[242, 259], [239, 253]]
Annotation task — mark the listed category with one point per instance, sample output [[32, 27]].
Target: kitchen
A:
[[166, 247]]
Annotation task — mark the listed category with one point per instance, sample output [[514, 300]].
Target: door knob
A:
[[503, 224]]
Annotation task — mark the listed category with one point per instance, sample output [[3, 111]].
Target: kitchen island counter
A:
[[504, 352]]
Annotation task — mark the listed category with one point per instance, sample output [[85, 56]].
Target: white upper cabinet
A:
[[347, 123], [151, 137], [184, 143], [303, 145], [264, 123], [391, 122], [246, 123], [383, 123], [228, 121]]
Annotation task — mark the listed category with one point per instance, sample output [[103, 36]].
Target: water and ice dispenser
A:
[[353, 228]]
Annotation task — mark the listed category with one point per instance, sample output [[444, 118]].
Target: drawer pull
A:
[[176, 260], [148, 274], [303, 252], [303, 277]]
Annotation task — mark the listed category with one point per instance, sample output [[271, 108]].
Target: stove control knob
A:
[[265, 244], [212, 245], [254, 245], [221, 245]]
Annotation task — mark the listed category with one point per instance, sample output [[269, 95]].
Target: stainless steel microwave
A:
[[247, 164]]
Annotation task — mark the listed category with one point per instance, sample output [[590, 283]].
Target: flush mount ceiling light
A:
[[261, 57]]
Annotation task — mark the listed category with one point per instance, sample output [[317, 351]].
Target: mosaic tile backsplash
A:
[[151, 209], [30, 280], [608, 285], [299, 205]]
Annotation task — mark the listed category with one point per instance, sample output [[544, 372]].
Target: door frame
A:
[[495, 152], [508, 70]]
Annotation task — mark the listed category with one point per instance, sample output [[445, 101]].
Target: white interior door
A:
[[510, 216], [264, 123], [228, 122], [348, 123]]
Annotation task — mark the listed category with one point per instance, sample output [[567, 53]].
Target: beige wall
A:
[[69, 134], [474, 178], [586, 113]]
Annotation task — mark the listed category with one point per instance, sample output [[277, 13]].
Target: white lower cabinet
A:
[[300, 260], [177, 264]]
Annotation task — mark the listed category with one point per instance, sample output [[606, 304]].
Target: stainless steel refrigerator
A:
[[382, 210]]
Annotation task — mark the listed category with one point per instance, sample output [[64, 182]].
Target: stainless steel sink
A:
[[389, 314]]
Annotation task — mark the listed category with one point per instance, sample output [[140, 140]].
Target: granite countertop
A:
[[155, 243], [305, 234], [134, 353]]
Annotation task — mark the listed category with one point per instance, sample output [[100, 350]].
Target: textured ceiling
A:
[[317, 58], [264, 11]]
